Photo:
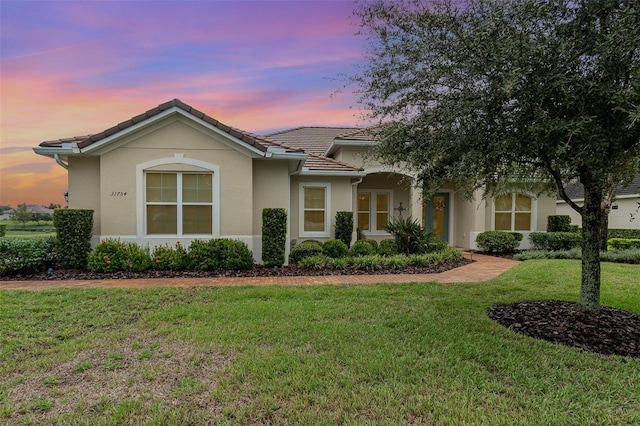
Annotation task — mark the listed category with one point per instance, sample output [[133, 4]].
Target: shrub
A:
[[388, 248], [559, 223], [219, 253], [554, 240], [362, 248], [408, 234], [621, 256], [371, 262], [274, 236], [623, 243], [3, 229], [114, 255], [314, 262], [344, 227], [19, 256], [623, 233], [335, 249], [497, 242], [305, 249], [73, 236], [517, 235], [167, 258], [397, 261]]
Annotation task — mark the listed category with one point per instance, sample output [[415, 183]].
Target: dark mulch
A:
[[258, 271], [610, 332]]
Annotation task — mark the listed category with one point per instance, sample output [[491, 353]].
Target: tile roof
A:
[[575, 191], [368, 134], [259, 142], [320, 163], [313, 140]]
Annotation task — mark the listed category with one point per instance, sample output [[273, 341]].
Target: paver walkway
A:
[[483, 269]]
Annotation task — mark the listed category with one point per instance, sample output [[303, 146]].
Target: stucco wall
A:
[[618, 218], [172, 138], [84, 187]]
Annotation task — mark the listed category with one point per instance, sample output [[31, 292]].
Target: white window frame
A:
[[175, 164], [512, 212], [373, 212], [327, 209]]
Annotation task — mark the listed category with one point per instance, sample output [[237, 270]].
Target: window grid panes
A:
[[179, 203], [314, 216], [374, 210], [513, 212]]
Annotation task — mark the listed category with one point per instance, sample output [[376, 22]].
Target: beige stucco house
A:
[[174, 174]]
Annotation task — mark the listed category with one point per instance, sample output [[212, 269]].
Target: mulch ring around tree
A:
[[611, 331]]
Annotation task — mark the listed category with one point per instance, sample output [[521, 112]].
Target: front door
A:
[[436, 215]]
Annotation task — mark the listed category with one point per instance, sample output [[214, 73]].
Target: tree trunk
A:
[[591, 223], [604, 229], [608, 196]]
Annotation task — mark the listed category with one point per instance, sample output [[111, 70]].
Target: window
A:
[[314, 200], [179, 203], [373, 210], [513, 212]]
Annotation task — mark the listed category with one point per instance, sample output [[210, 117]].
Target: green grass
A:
[[384, 354]]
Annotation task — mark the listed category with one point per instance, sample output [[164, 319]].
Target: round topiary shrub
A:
[[388, 248], [362, 248], [305, 249], [335, 249]]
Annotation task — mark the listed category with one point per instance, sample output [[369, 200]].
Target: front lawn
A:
[[384, 354]]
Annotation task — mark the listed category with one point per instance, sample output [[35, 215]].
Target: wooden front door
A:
[[436, 215]]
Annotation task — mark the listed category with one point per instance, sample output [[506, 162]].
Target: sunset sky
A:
[[73, 68]]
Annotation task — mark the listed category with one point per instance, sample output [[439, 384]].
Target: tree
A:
[[483, 92], [22, 214]]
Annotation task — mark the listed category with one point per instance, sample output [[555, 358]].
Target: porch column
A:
[[415, 198]]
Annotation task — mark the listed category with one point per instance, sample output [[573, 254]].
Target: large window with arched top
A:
[[513, 212]]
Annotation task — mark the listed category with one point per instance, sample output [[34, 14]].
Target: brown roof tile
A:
[[314, 140]]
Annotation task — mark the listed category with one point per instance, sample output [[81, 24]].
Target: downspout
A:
[[59, 161]]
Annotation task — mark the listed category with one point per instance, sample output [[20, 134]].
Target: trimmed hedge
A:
[[559, 223], [114, 255], [3, 229], [624, 243], [274, 236], [498, 242], [623, 233], [344, 227], [74, 228], [305, 249], [555, 240], [219, 253], [335, 249], [24, 256]]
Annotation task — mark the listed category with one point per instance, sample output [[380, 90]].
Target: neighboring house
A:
[[175, 174], [625, 211]]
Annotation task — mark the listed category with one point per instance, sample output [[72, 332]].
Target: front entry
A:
[[436, 215]]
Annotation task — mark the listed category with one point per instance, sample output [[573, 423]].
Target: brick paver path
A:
[[483, 269]]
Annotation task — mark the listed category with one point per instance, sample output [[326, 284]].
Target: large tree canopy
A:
[[483, 92]]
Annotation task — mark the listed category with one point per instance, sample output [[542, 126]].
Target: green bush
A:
[[24, 256], [621, 256], [167, 258], [559, 223], [3, 229], [362, 248], [517, 235], [497, 242], [335, 249], [409, 235], [315, 262], [388, 247], [274, 236], [623, 243], [219, 253], [74, 228], [305, 249], [344, 227], [623, 233], [114, 255], [398, 261], [554, 240], [372, 262]]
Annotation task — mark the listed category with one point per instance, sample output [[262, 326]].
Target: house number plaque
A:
[[118, 194]]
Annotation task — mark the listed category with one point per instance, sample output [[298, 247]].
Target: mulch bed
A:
[[258, 271], [609, 332]]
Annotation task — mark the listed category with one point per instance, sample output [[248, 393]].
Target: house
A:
[[625, 211], [175, 174]]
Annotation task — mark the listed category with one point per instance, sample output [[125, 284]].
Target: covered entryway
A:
[[436, 215]]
